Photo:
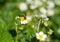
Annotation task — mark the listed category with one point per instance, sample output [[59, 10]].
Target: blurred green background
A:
[[8, 12]]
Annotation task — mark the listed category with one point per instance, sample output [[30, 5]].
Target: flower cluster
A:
[[42, 8], [39, 9]]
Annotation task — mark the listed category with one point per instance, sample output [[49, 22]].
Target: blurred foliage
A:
[[8, 12]]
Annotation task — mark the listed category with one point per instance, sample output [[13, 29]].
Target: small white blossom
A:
[[43, 15], [50, 4], [46, 19], [24, 22], [23, 6], [28, 18], [43, 10], [37, 3], [29, 1], [41, 36], [44, 0], [50, 12], [33, 7]]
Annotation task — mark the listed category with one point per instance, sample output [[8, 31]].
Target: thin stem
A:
[[38, 26], [17, 33], [40, 41]]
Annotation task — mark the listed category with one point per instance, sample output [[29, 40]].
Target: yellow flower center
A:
[[40, 36], [22, 18]]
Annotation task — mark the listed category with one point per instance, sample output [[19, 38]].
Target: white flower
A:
[[29, 1], [44, 0], [28, 18], [37, 3], [50, 4], [33, 7], [46, 19], [24, 22], [57, 2], [43, 10], [50, 12], [41, 36], [43, 15], [23, 6]]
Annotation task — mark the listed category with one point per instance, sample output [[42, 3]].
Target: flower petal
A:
[[41, 33], [45, 36]]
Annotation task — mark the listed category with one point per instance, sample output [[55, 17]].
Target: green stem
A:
[[40, 41], [17, 34], [38, 26]]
